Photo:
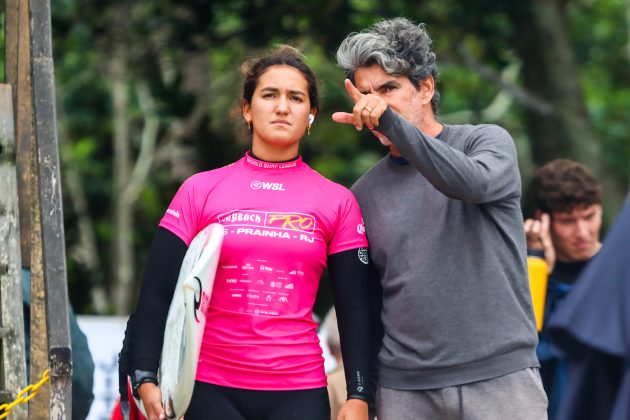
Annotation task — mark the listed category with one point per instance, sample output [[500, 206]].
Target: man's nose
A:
[[582, 228]]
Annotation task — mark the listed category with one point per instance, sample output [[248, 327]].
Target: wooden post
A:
[[23, 102], [39, 408], [13, 363], [11, 44], [51, 212], [19, 62], [17, 68]]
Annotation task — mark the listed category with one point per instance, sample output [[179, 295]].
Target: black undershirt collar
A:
[[251, 153]]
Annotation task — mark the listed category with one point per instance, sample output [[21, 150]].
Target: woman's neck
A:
[[272, 157], [251, 153]]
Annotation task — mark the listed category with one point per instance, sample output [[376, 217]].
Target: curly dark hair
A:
[[563, 185]]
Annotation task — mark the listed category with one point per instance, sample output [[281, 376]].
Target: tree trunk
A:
[[123, 261], [551, 72]]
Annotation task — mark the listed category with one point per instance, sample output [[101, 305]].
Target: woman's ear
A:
[[247, 114]]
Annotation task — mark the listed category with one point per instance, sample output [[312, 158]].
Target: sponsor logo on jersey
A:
[[242, 217], [269, 224], [173, 212], [296, 273], [361, 228], [262, 185], [291, 221]]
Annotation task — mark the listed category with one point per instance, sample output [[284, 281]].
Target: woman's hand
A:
[[152, 400], [353, 409]]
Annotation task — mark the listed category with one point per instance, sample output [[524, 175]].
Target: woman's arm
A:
[[350, 280], [158, 285]]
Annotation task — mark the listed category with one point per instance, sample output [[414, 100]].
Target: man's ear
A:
[[427, 89]]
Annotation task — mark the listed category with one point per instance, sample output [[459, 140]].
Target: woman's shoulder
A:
[[212, 175], [326, 184]]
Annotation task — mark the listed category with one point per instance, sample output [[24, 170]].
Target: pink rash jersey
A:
[[281, 222]]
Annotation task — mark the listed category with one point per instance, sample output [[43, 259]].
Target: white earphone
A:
[[311, 118]]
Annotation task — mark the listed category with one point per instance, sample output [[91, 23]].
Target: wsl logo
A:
[[272, 186]]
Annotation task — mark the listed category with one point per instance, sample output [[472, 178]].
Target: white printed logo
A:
[[361, 228], [363, 255], [272, 186], [173, 212]]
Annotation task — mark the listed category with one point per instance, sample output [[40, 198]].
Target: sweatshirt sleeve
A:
[[485, 170]]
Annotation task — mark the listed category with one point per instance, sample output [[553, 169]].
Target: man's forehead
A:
[[579, 210], [373, 76]]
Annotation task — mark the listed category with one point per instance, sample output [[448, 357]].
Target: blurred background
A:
[[146, 91]]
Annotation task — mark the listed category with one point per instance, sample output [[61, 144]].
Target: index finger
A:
[[352, 91], [544, 224]]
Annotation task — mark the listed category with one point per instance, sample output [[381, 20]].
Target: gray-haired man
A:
[[443, 218]]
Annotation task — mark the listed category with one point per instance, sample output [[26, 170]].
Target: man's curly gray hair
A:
[[398, 45]]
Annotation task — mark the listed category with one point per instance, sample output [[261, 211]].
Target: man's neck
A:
[[431, 126]]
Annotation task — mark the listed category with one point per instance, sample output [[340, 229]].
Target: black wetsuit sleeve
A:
[[351, 282], [158, 286]]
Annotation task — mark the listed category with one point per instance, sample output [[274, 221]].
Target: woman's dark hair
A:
[[286, 55]]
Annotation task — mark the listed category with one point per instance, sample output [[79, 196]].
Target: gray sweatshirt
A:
[[446, 236]]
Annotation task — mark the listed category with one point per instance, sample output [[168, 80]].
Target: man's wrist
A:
[[139, 377]]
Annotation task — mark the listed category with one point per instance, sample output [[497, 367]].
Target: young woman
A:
[[284, 223]]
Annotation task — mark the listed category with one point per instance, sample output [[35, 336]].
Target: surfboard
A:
[[186, 321]]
